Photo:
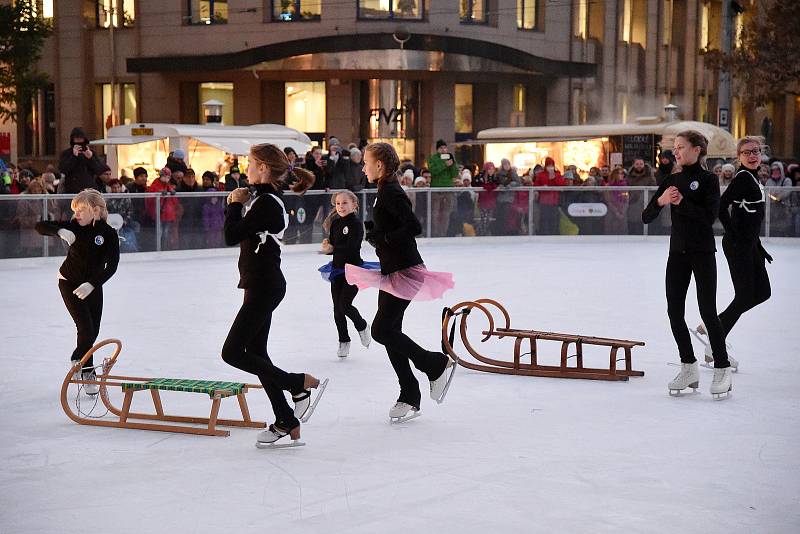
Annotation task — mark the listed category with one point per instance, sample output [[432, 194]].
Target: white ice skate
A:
[[365, 337], [702, 335], [344, 349], [270, 438], [688, 377], [402, 412], [722, 384], [303, 405], [90, 389], [440, 386]]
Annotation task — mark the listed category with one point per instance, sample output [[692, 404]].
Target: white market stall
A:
[[592, 145], [207, 146]]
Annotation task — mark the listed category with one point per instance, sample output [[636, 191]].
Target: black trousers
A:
[[387, 329], [750, 280], [246, 348], [87, 314], [680, 268], [343, 294]]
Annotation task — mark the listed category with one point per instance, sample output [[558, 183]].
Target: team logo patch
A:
[[694, 185], [346, 230], [301, 215], [98, 240]]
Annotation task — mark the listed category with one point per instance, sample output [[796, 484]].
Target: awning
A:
[[130, 140], [232, 145]]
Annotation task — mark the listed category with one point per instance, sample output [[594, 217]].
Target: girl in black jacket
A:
[[693, 197], [258, 229], [741, 212], [91, 261], [346, 233], [403, 278]]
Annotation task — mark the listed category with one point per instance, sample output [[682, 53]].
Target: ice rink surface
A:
[[502, 454]]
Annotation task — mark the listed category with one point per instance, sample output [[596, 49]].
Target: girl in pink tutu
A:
[[402, 278]]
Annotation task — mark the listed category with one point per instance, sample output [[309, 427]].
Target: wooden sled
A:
[[531, 337], [131, 384]]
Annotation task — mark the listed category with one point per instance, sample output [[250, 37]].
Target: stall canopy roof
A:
[[721, 143], [235, 140]]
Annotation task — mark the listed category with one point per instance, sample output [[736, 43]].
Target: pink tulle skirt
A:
[[412, 283]]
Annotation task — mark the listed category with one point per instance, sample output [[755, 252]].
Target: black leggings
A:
[[246, 348], [750, 280], [680, 268], [343, 294], [87, 314], [387, 330]]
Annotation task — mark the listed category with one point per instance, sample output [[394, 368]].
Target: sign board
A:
[[637, 146], [587, 209], [142, 131], [722, 118], [615, 159]]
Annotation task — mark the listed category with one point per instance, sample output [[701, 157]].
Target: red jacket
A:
[[169, 204], [549, 198]]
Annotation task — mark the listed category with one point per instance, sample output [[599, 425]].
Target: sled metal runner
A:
[[159, 421], [530, 339]]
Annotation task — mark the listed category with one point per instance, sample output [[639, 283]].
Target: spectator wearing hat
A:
[[213, 220], [78, 163], [443, 167], [779, 217], [104, 179], [234, 179], [190, 212], [639, 175], [726, 175], [177, 161], [169, 208]]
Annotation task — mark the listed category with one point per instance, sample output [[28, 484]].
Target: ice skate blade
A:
[[452, 369], [398, 420], [279, 445], [711, 366], [320, 390], [722, 396], [679, 392]]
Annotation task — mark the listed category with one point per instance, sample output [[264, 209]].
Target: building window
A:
[[43, 9], [121, 12], [702, 108], [220, 94], [121, 110], [666, 30], [208, 12], [473, 11], [519, 98], [296, 10], [305, 106], [633, 26], [527, 14], [738, 22], [37, 118], [463, 108], [705, 14], [390, 9], [581, 18]]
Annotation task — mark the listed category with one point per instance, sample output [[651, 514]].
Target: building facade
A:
[[406, 71]]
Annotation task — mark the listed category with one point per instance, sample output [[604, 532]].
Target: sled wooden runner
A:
[[530, 340], [159, 420]]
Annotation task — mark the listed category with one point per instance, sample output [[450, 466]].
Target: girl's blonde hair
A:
[[91, 198], [326, 224]]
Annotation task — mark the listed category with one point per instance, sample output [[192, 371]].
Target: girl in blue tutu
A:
[[346, 233]]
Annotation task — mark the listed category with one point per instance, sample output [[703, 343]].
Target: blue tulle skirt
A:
[[329, 272]]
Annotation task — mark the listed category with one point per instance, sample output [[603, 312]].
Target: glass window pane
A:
[[128, 12], [305, 106], [104, 13], [220, 92], [106, 107], [407, 9], [519, 98], [47, 9], [375, 9], [463, 107], [526, 14], [128, 103], [290, 10], [473, 10], [208, 11], [220, 10]]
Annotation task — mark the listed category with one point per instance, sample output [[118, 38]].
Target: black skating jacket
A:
[[258, 230], [741, 208], [345, 237], [693, 218], [395, 227], [93, 257]]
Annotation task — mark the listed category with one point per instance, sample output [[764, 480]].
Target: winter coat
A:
[[79, 171], [169, 204], [442, 175], [549, 198]]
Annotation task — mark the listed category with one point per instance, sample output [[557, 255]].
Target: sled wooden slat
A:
[[216, 390], [570, 365]]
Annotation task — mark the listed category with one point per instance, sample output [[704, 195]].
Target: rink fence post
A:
[[45, 239], [158, 224], [645, 200], [767, 212], [428, 214]]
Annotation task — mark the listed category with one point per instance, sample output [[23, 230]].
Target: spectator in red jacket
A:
[[169, 208], [548, 200]]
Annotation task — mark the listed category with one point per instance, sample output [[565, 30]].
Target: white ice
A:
[[502, 454]]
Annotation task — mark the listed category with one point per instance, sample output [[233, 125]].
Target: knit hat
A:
[[178, 154], [728, 167], [333, 141], [440, 143], [165, 172], [548, 161], [408, 173], [235, 169], [419, 180]]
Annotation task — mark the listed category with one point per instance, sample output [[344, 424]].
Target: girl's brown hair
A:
[[695, 138], [326, 224], [386, 154], [279, 167]]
